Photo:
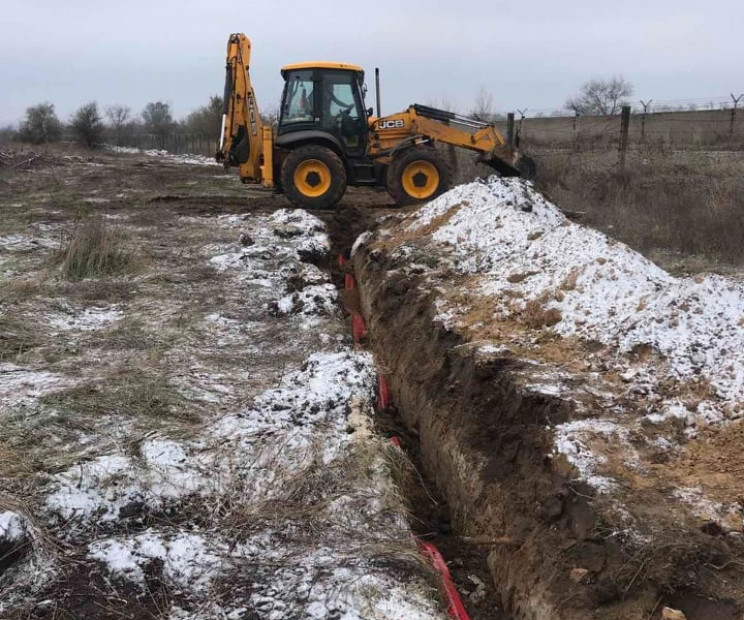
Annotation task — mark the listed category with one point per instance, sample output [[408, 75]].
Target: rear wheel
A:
[[418, 174], [313, 177]]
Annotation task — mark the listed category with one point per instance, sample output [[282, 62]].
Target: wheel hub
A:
[[313, 179], [419, 179]]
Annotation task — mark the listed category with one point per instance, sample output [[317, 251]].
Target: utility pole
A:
[[736, 101], [624, 126], [643, 119]]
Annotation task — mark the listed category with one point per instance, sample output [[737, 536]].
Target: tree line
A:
[[116, 124]]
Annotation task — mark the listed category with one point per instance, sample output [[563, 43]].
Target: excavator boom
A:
[[244, 141]]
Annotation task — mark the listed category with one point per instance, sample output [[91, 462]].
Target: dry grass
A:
[[95, 249], [132, 393], [17, 335], [691, 207]]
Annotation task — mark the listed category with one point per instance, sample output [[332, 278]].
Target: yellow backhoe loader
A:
[[325, 139]]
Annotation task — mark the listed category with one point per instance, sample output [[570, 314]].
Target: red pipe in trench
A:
[[455, 607]]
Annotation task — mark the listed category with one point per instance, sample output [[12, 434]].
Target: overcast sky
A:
[[526, 54]]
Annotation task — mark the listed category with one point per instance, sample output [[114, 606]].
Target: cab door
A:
[[342, 109]]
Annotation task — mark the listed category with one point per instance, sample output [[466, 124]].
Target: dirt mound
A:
[[574, 401]]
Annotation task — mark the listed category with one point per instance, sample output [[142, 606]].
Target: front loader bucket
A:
[[510, 163]]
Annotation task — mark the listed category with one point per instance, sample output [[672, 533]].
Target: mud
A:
[[484, 441]]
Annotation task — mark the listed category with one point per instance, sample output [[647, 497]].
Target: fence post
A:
[[643, 119], [736, 101], [518, 139], [510, 129], [624, 126]]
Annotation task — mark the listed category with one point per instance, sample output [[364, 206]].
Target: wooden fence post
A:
[[624, 126]]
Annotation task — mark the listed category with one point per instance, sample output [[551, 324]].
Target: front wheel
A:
[[417, 174], [313, 177]]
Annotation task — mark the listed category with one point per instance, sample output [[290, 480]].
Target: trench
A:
[[431, 522], [490, 495]]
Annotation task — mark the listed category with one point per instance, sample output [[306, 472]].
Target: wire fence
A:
[[700, 129], [708, 129]]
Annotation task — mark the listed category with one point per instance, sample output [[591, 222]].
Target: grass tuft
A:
[[17, 336], [133, 394], [94, 249]]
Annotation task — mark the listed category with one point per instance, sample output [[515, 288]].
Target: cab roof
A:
[[322, 65]]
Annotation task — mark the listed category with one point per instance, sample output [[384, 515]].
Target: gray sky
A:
[[527, 55]]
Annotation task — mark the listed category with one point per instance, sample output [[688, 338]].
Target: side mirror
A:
[[369, 112]]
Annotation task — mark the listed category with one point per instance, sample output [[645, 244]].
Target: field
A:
[[186, 428], [189, 432]]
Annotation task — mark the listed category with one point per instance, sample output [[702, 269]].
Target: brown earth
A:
[[485, 441]]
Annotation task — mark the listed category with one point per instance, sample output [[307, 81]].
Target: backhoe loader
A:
[[325, 139]]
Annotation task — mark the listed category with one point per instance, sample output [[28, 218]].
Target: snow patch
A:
[[86, 320], [189, 561]]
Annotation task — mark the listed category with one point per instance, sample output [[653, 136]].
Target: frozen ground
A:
[[190, 439], [653, 364]]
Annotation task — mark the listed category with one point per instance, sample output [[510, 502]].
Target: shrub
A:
[[41, 125], [87, 125]]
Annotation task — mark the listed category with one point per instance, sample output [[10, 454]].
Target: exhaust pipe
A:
[[377, 91]]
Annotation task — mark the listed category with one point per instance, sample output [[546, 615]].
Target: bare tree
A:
[[483, 107], [118, 116], [601, 97], [41, 124], [87, 125]]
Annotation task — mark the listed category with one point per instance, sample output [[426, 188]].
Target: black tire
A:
[[314, 162], [427, 186]]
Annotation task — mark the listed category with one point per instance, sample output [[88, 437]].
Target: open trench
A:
[[431, 521], [502, 512]]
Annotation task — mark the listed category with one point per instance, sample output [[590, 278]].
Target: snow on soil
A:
[[286, 432], [522, 253], [89, 319], [21, 387], [188, 560], [181, 158], [25, 243], [273, 439], [311, 422], [509, 233], [12, 528]]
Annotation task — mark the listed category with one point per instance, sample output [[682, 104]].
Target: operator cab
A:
[[325, 97]]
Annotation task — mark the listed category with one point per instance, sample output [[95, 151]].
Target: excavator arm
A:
[[244, 141], [419, 124]]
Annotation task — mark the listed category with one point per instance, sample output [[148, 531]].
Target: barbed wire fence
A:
[[645, 125]]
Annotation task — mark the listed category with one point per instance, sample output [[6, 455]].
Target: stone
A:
[[578, 574], [672, 614]]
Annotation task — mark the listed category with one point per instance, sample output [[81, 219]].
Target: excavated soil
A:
[[552, 550]]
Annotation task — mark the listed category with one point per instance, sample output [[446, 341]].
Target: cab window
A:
[[298, 99]]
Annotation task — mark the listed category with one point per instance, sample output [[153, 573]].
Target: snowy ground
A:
[[653, 364], [193, 439]]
